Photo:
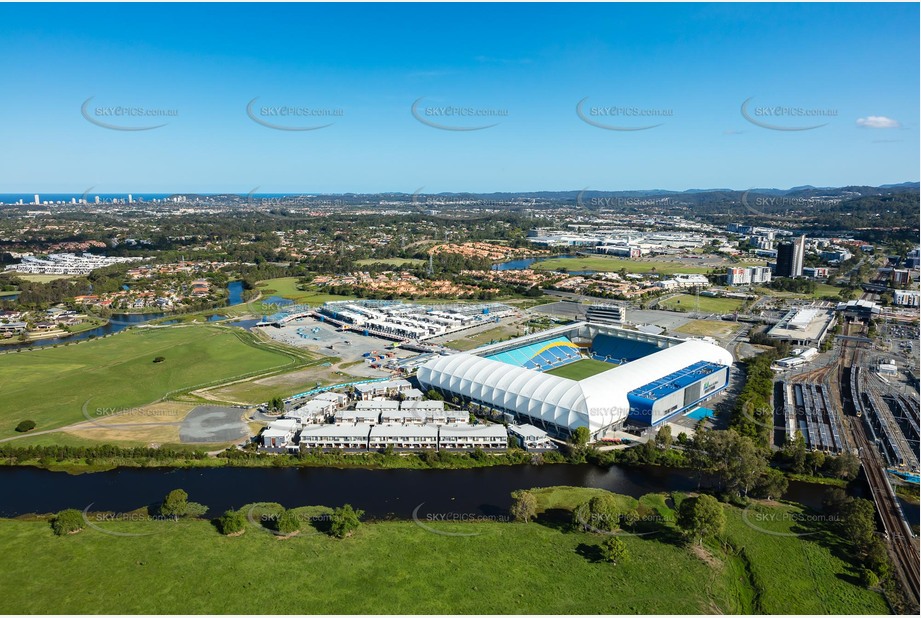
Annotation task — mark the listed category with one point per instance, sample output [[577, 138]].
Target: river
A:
[[380, 493], [120, 321]]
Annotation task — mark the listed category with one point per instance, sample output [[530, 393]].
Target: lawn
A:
[[258, 390], [708, 304], [407, 567], [581, 369], [51, 385], [708, 328], [396, 262], [612, 264]]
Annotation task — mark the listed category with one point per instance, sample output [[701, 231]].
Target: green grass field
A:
[[708, 304], [612, 264], [395, 262], [581, 369], [402, 567], [50, 386]]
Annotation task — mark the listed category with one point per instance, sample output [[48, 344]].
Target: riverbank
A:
[[444, 560], [79, 459]]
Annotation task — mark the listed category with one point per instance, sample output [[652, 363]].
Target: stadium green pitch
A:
[[581, 369]]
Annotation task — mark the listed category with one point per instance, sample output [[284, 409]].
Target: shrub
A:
[[25, 426], [345, 521], [159, 359], [175, 504], [231, 522], [868, 578], [614, 550], [67, 522], [287, 523], [524, 508]]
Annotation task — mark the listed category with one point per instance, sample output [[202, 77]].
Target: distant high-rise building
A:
[[36, 202], [130, 199], [790, 258], [97, 199], [748, 275]]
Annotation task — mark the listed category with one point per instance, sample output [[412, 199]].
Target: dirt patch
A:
[[701, 552], [156, 422]]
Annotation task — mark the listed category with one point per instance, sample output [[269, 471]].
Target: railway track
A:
[[902, 545]]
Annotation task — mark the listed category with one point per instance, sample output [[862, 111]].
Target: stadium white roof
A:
[[595, 402]]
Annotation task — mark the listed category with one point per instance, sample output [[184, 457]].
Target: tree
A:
[[68, 521], [815, 460], [701, 517], [580, 436], [287, 522], [614, 550], [175, 503], [859, 522], [772, 484], [434, 395], [277, 404], [664, 436], [231, 522], [844, 466], [733, 458], [524, 507], [24, 426], [599, 514], [794, 451], [345, 521], [876, 558]]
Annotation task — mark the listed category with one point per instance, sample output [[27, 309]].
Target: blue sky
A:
[[689, 65]]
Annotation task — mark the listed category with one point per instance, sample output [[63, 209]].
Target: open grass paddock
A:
[[542, 567]]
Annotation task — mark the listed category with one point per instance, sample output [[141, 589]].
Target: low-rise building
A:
[[371, 417], [280, 433], [387, 388], [413, 394], [403, 437], [313, 411], [806, 326], [815, 272], [469, 437], [339, 399], [327, 437], [681, 281], [906, 298], [531, 438]]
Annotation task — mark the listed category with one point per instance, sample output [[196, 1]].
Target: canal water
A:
[[380, 493], [120, 321]]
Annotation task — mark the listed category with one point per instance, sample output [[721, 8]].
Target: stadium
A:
[[584, 375]]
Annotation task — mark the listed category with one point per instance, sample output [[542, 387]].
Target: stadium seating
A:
[[616, 350], [542, 355]]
